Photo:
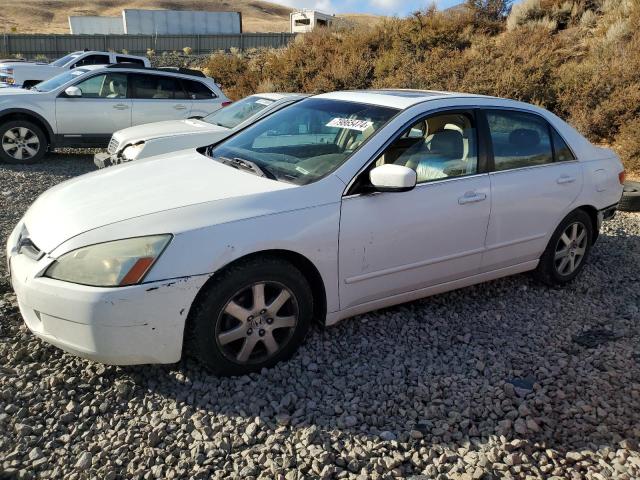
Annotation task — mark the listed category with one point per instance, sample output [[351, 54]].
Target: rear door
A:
[[158, 97], [203, 100], [534, 181]]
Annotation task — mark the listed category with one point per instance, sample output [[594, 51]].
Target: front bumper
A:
[[119, 326]]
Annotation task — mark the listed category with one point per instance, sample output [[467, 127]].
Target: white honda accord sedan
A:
[[339, 204]]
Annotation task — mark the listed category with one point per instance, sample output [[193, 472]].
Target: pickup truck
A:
[[21, 73]]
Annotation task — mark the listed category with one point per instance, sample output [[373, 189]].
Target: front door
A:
[[102, 109], [394, 243]]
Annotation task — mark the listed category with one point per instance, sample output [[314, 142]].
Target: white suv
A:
[[20, 73], [83, 107]]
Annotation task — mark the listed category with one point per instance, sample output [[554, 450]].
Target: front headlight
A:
[[8, 70], [111, 264], [132, 151]]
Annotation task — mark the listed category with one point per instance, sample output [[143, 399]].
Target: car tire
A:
[[630, 201], [22, 142], [253, 315], [567, 251]]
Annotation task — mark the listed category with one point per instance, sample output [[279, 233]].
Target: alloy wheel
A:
[[571, 249], [257, 322], [20, 143]]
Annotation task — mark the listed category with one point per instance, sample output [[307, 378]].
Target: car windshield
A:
[[59, 80], [303, 142], [238, 112], [61, 62]]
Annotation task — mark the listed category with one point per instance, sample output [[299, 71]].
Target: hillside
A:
[[45, 16]]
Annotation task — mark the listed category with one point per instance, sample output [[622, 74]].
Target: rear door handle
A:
[[472, 197], [121, 106], [565, 179], [179, 107]]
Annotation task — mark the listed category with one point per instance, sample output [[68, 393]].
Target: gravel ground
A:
[[508, 379]]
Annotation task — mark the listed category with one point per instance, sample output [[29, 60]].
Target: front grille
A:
[[113, 146]]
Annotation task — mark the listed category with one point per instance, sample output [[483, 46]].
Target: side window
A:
[[92, 60], [519, 139], [157, 87], [560, 148], [198, 91], [135, 61], [440, 146], [108, 85]]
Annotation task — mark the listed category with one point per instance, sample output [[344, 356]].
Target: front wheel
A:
[[254, 315], [567, 251], [21, 142]]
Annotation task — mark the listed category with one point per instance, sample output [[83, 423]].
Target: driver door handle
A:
[[121, 106], [179, 107], [472, 197]]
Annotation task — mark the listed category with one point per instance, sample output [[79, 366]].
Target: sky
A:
[[379, 7]]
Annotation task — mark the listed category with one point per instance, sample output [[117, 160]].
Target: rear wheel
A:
[[567, 251], [254, 315], [21, 142]]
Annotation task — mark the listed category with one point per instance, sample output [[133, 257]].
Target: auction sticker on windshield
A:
[[263, 101], [350, 123]]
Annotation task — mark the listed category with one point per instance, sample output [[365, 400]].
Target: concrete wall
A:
[[96, 25], [170, 22]]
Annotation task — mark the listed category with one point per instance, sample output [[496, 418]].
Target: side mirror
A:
[[393, 178], [73, 92]]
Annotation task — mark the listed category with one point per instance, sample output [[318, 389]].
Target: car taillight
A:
[[622, 177], [226, 104]]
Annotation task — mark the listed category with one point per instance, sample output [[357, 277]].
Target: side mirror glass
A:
[[73, 92], [393, 178]]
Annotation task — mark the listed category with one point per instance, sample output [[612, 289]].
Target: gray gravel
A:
[[508, 379]]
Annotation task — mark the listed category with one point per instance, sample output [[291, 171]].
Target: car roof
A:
[[122, 67], [396, 98]]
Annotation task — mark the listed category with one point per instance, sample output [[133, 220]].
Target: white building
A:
[[302, 21]]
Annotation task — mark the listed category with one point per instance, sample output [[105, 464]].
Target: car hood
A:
[[16, 91], [164, 129], [136, 189]]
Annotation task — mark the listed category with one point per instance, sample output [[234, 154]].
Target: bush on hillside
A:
[[578, 58]]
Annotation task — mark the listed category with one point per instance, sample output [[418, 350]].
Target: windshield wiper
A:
[[241, 163]]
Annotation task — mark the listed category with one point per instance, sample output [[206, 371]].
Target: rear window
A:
[[519, 139], [198, 90], [157, 87], [135, 61]]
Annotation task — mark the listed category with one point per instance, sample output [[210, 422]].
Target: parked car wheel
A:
[[630, 201], [21, 142], [567, 251], [252, 316]]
